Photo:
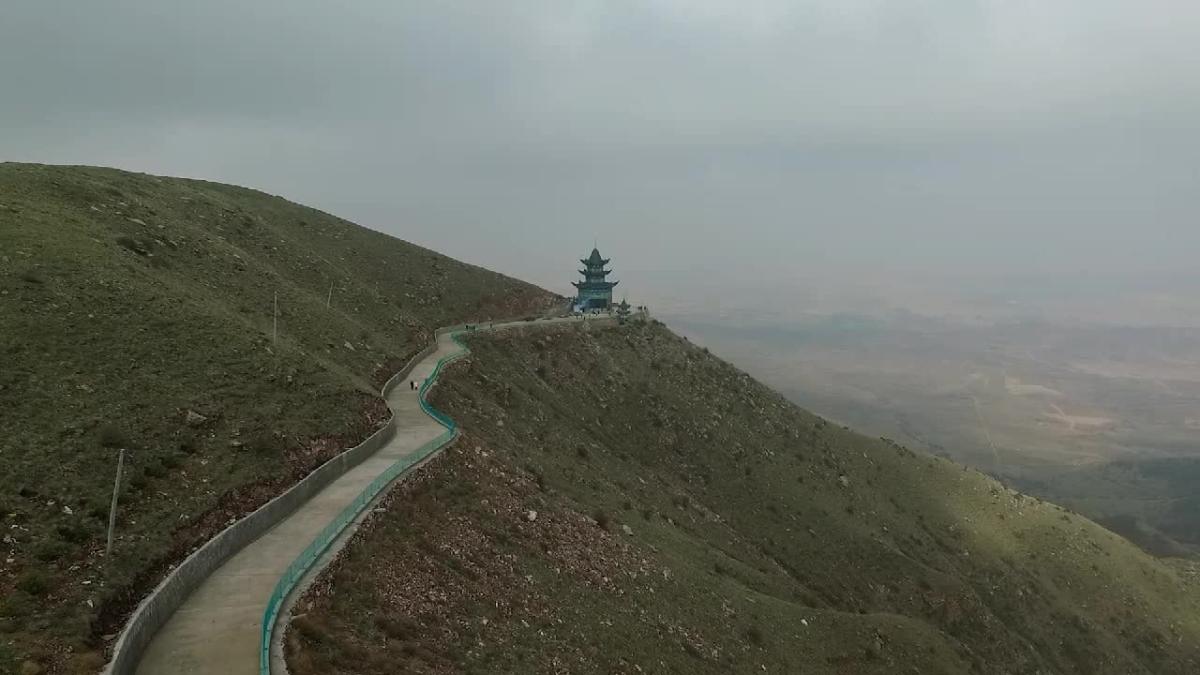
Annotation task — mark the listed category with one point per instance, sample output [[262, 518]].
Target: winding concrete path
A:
[[217, 629]]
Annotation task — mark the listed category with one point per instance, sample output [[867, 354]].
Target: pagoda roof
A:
[[594, 259], [594, 285]]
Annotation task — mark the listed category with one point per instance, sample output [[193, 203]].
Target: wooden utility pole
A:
[[275, 321], [112, 510]]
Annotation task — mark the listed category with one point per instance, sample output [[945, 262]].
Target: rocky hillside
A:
[[137, 312], [623, 501]]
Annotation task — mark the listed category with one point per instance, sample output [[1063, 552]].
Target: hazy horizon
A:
[[768, 145]]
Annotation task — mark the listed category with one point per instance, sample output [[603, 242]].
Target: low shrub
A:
[[32, 277], [74, 533], [397, 627], [155, 470], [34, 582], [112, 437], [131, 244], [309, 630], [50, 550], [267, 443], [189, 444], [602, 519]]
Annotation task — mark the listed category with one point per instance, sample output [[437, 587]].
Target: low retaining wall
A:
[[156, 609], [303, 565]]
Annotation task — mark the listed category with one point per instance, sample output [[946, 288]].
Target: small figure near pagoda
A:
[[595, 293]]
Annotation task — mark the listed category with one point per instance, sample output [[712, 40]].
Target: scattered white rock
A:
[[347, 345], [531, 515], [137, 221], [67, 510], [804, 622], [844, 481], [194, 419], [627, 530]]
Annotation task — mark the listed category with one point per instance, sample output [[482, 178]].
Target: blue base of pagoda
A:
[[591, 304]]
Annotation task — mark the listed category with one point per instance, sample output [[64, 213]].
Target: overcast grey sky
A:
[[755, 137]]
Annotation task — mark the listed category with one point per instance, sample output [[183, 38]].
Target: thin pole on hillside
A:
[[112, 510], [275, 321], [329, 298]]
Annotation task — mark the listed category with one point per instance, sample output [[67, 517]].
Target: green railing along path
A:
[[309, 556], [217, 627], [216, 613]]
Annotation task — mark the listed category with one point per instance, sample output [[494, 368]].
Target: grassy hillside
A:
[[137, 313], [1153, 502], [625, 502]]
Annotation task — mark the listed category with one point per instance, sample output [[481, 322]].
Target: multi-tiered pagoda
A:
[[594, 291]]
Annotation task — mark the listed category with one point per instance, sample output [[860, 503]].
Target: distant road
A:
[[987, 434]]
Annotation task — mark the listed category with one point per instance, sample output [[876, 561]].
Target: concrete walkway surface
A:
[[217, 629]]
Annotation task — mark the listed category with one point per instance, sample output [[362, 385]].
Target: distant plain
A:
[[1091, 401]]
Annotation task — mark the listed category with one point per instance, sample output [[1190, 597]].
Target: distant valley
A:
[[1100, 418]]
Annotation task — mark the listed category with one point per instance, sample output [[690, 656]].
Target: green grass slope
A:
[[1153, 502], [137, 312], [623, 501]]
